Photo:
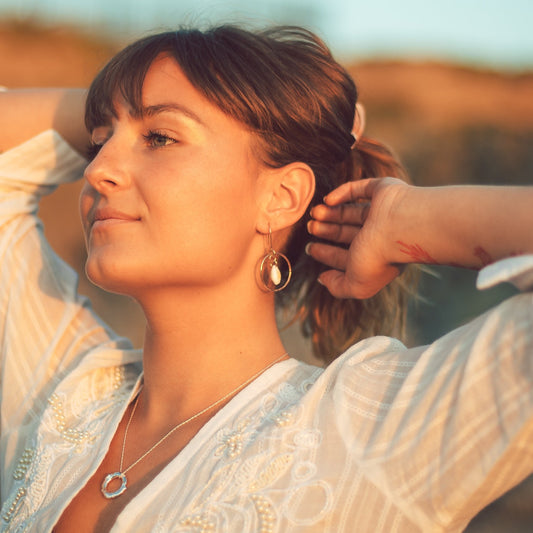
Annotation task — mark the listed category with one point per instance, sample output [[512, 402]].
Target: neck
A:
[[195, 353]]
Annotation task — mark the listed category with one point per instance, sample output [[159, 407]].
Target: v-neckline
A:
[[206, 432]]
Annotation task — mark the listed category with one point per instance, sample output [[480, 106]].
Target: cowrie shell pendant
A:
[[274, 271], [275, 275]]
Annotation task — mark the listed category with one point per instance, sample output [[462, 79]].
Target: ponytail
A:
[[333, 324]]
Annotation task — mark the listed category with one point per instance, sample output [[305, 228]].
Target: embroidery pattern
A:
[[34, 489], [23, 464], [71, 435], [12, 505], [231, 441], [274, 470], [284, 418], [249, 494], [265, 511], [253, 483], [200, 523]]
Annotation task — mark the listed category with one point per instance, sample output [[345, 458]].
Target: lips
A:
[[109, 215]]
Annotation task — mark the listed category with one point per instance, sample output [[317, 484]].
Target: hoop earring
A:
[[275, 270]]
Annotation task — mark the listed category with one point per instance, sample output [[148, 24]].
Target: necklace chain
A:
[[121, 474]]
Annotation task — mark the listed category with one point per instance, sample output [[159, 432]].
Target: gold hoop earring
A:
[[275, 269]]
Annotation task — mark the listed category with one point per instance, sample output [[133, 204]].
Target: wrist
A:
[[402, 217]]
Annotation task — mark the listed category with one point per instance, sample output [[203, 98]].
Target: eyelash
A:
[[154, 135], [150, 137]]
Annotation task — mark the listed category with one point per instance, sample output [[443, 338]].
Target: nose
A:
[[107, 172]]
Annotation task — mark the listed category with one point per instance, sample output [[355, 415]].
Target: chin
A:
[[106, 276]]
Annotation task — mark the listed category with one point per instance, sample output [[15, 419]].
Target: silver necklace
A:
[[121, 474]]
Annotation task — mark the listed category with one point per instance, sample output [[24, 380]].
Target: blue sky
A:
[[483, 32]]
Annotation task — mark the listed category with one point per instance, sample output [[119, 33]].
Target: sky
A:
[[488, 33]]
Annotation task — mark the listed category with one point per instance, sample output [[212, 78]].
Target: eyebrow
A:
[[157, 109]]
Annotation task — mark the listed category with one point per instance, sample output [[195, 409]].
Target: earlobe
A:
[[289, 191]]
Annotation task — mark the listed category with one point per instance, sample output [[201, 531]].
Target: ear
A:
[[359, 121], [285, 194]]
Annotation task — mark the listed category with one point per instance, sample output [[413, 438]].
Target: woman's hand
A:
[[357, 214], [385, 223]]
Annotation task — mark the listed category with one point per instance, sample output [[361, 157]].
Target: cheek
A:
[[217, 200], [206, 232]]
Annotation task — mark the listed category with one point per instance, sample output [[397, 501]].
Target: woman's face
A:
[[171, 197]]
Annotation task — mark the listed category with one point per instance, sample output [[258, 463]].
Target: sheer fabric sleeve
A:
[[45, 326], [447, 428]]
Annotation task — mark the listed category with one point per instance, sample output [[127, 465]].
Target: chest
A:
[[91, 510], [268, 466]]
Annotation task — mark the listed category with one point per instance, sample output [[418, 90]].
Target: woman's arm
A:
[[46, 327], [388, 223], [26, 112]]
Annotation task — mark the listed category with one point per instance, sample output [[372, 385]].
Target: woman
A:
[[208, 150]]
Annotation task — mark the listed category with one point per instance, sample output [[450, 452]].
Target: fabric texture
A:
[[385, 439]]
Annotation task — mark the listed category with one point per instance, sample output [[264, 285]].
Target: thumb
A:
[[335, 282]]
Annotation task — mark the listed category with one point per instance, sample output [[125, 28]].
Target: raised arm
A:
[[46, 328], [26, 112], [387, 223]]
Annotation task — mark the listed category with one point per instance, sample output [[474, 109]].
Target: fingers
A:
[[341, 285], [329, 255], [334, 281], [333, 232], [352, 191], [354, 213]]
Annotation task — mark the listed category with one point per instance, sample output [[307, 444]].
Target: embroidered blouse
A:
[[385, 439]]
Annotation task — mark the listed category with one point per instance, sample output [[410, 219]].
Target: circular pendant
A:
[[108, 479]]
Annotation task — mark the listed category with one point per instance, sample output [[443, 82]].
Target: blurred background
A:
[[448, 85]]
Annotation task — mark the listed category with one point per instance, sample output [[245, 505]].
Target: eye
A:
[[157, 139]]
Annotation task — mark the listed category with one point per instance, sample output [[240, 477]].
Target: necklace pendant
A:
[[108, 479]]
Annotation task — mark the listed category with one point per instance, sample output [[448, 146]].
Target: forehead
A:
[[165, 79], [167, 89]]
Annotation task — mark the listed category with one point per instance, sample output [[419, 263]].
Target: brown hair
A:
[[285, 86]]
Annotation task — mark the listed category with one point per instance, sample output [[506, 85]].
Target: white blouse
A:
[[385, 439]]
